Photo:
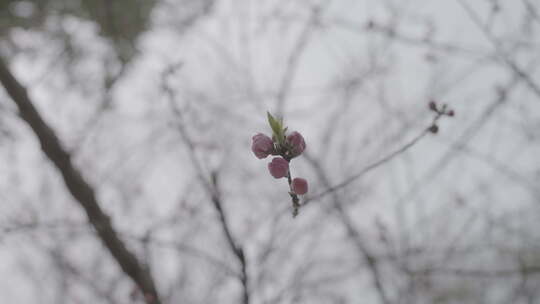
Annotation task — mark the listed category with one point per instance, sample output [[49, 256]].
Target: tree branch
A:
[[79, 188], [294, 59], [375, 164], [518, 71], [210, 185], [370, 259]]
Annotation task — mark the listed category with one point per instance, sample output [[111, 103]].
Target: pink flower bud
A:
[[299, 186], [279, 167], [297, 143], [262, 145]]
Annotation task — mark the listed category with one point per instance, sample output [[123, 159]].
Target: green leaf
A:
[[277, 127]]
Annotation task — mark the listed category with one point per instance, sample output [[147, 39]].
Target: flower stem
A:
[[294, 197]]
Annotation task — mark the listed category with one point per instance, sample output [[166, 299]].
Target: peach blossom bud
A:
[[279, 167], [299, 186], [262, 145], [297, 143]]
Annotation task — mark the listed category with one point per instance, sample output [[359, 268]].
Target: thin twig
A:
[[375, 164], [497, 273], [294, 59], [353, 233], [467, 135], [518, 71], [294, 198], [210, 185]]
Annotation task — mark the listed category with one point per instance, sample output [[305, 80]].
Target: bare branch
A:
[[467, 135], [294, 58], [535, 88], [354, 235], [497, 273], [210, 185], [79, 188], [375, 164]]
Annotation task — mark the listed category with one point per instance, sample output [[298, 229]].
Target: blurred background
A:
[[151, 193]]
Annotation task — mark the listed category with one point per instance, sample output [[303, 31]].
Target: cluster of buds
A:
[[284, 147], [440, 110]]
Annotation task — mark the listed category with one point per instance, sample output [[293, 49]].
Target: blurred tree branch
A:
[[79, 188], [294, 58], [501, 53], [352, 231], [210, 184], [376, 164]]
